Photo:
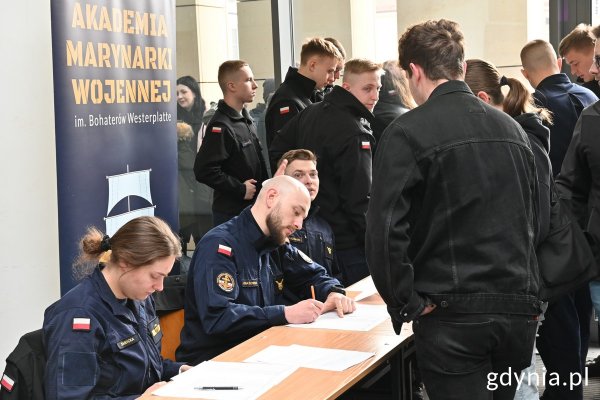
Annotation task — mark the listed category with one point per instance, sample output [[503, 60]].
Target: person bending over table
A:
[[102, 338], [235, 291]]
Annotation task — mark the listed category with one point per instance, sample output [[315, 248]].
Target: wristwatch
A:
[[337, 289]]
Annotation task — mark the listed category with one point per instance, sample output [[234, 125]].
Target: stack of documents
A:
[[225, 380], [365, 318], [310, 357]]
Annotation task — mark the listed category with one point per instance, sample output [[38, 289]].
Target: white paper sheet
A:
[[366, 287], [310, 357], [252, 379], [365, 318]]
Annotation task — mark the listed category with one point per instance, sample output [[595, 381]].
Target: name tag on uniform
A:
[[128, 342], [249, 283], [295, 239]]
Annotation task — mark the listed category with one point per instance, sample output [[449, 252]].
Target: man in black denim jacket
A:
[[451, 225]]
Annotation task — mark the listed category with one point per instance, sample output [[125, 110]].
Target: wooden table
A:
[[306, 383]]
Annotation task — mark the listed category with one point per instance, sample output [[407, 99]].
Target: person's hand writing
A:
[[342, 304], [250, 189], [303, 312]]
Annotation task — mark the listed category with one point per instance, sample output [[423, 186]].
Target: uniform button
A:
[[444, 304]]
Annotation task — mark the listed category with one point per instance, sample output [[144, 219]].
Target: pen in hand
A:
[[217, 388], [312, 292]]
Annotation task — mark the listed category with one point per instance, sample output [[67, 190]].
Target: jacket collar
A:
[[305, 86], [341, 97], [532, 125], [449, 87], [118, 307], [556, 79], [232, 114], [252, 232]]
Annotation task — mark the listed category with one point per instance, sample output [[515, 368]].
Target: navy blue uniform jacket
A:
[[98, 347], [232, 293]]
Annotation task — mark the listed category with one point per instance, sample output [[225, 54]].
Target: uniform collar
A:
[[232, 114], [554, 80], [344, 98], [260, 241], [118, 307], [305, 85]]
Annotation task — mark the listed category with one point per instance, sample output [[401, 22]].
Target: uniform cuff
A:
[[276, 315]]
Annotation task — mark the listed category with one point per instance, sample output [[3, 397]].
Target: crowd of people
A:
[[461, 193]]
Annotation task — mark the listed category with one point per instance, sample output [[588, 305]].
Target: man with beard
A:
[[233, 292]]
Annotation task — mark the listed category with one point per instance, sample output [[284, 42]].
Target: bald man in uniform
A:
[[232, 292]]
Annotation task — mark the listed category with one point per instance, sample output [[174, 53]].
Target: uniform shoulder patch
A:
[[305, 257], [7, 383], [284, 110], [226, 250], [216, 129], [226, 282], [365, 145], [81, 324]]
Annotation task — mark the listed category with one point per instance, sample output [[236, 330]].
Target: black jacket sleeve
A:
[[387, 237], [216, 148], [278, 115]]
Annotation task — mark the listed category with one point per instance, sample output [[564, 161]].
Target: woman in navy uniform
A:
[[102, 338]]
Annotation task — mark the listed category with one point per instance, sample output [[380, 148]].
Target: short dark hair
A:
[[298, 154], [579, 39], [437, 46], [318, 47], [227, 69]]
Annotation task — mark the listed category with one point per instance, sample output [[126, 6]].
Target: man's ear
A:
[[230, 86], [346, 85], [312, 63], [272, 196], [525, 73], [415, 71], [559, 62]]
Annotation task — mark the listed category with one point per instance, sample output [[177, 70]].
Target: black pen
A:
[[218, 388]]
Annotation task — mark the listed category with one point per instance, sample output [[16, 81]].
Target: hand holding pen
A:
[[305, 311]]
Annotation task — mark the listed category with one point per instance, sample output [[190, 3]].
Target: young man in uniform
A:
[[579, 178], [232, 293], [315, 238], [577, 49], [230, 159], [563, 338], [337, 130], [451, 224], [319, 95], [318, 61]]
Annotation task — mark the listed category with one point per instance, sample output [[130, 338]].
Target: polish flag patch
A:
[[284, 110], [224, 250], [7, 383], [365, 145], [216, 129], [81, 324]]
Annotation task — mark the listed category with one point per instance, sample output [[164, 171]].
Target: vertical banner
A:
[[115, 110]]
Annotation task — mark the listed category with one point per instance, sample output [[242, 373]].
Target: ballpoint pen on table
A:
[[217, 388]]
